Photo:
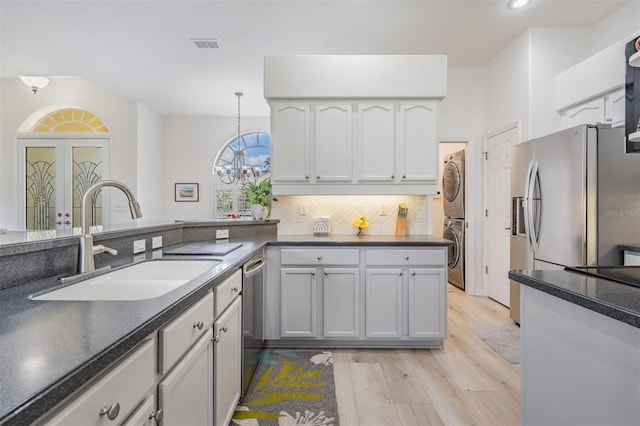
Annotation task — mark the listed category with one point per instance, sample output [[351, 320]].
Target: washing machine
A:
[[454, 231], [453, 185]]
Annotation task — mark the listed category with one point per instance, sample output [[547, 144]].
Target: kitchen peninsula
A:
[[53, 350], [580, 343]]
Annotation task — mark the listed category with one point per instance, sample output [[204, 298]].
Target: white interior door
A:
[[498, 213]]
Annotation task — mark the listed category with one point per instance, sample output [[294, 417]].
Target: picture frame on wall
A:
[[186, 192]]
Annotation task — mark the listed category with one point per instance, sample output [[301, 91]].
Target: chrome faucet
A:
[[87, 250]]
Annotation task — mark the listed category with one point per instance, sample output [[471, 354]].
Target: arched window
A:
[[244, 157]]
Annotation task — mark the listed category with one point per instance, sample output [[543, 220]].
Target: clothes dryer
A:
[[453, 185], [454, 231]]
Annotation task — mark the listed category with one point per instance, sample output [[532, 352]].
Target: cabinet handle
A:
[[393, 176], [413, 274], [404, 176], [198, 325], [319, 257], [111, 411], [216, 339], [225, 328], [400, 274], [326, 273], [406, 258], [156, 415], [306, 177], [234, 290]]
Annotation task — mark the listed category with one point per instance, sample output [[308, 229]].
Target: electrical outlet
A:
[[222, 233], [156, 242], [302, 209], [139, 246], [384, 209]]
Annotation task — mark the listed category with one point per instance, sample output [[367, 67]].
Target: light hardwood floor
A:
[[466, 383]]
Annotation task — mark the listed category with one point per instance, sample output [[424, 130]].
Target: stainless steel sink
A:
[[136, 282]]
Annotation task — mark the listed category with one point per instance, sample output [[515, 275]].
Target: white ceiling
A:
[[141, 50]]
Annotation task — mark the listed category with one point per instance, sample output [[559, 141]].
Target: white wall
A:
[[191, 145], [150, 165], [552, 50], [18, 103], [617, 26]]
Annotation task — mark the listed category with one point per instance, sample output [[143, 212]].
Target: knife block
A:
[[400, 226]]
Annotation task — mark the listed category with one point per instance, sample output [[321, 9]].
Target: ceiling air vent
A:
[[206, 43]]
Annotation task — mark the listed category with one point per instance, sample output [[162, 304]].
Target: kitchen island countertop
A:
[[609, 298], [52, 348]]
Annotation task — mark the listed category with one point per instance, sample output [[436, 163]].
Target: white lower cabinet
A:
[[185, 394], [192, 379], [341, 302], [427, 303], [113, 397], [298, 302], [360, 296], [227, 362], [384, 303]]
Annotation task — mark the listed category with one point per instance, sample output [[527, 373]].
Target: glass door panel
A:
[[40, 188], [87, 170]]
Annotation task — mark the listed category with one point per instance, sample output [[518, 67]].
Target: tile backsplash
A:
[[297, 213]]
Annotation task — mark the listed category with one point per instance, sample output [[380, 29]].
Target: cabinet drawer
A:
[[227, 291], [407, 257], [125, 385], [320, 257], [177, 337]]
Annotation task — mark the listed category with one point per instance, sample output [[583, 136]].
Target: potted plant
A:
[[258, 196]]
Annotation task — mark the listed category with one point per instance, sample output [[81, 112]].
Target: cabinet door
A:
[[384, 303], [185, 395], [145, 415], [590, 112], [333, 143], [298, 301], [614, 108], [418, 141], [427, 303], [376, 142], [227, 362], [290, 142], [341, 302]]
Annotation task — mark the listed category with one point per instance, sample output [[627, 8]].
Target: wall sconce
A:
[[36, 82]]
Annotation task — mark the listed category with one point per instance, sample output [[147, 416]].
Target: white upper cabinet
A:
[[290, 156], [333, 142], [419, 141], [341, 125], [607, 109], [376, 142]]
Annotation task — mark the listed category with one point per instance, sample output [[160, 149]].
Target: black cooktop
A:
[[629, 275]]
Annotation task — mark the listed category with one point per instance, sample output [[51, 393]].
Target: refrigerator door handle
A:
[[526, 203], [533, 235]]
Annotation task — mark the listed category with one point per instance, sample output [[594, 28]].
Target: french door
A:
[[54, 174]]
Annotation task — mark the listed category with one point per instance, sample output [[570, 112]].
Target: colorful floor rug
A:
[[290, 387], [503, 337]]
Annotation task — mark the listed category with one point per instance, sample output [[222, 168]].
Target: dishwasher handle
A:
[[253, 267]]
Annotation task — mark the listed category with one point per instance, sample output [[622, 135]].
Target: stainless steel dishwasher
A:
[[253, 317]]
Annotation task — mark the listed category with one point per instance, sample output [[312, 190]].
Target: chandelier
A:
[[236, 171]]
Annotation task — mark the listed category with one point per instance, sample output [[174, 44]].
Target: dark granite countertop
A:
[[609, 298], [365, 240], [50, 348], [629, 247]]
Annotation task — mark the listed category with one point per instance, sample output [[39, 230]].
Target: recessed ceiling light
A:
[[206, 43], [517, 4]]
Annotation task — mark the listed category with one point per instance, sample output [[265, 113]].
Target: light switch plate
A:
[[139, 246], [222, 233], [156, 242]]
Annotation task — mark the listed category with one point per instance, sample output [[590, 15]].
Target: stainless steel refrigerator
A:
[[575, 196]]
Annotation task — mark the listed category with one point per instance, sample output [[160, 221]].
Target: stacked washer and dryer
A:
[[453, 202]]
